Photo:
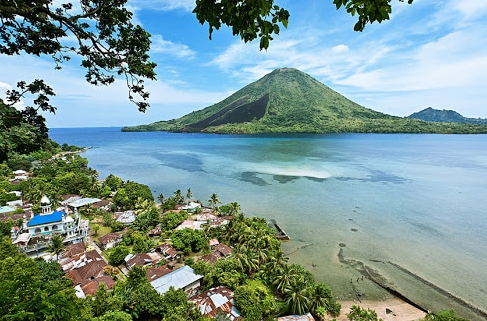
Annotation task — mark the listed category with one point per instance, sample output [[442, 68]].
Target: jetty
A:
[[281, 234]]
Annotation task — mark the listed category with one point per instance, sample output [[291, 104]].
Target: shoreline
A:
[[470, 311], [393, 309]]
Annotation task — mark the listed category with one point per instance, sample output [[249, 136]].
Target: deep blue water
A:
[[417, 201]]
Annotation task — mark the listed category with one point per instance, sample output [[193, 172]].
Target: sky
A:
[[430, 53]]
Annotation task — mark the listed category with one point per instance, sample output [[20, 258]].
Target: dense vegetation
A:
[[290, 101], [449, 116]]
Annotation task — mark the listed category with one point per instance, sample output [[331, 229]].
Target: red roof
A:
[[167, 250], [155, 273], [212, 258], [73, 249], [75, 276], [217, 299], [90, 287], [139, 259], [223, 249], [110, 237]]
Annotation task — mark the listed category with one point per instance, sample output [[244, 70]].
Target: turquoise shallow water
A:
[[406, 209]]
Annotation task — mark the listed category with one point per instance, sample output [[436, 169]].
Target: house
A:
[[156, 231], [191, 207], [304, 317], [183, 278], [127, 217], [72, 250], [194, 225], [90, 287], [212, 257], [224, 250], [168, 251], [215, 300], [15, 204], [87, 272], [109, 240], [82, 202], [103, 205], [138, 259], [206, 217], [6, 210], [157, 272]]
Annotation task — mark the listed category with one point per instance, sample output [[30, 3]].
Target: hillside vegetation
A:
[[290, 101], [435, 115]]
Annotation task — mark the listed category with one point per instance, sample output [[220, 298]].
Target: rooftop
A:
[[46, 218]]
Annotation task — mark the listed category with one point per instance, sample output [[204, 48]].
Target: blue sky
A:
[[430, 54]]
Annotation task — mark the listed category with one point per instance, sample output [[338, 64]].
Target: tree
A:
[[367, 11], [118, 254], [213, 200], [359, 314], [443, 315], [160, 197], [106, 40], [254, 301], [95, 228], [56, 246], [104, 301], [108, 43], [36, 290], [115, 316], [179, 196]]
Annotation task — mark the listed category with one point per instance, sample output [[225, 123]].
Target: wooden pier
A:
[[281, 234]]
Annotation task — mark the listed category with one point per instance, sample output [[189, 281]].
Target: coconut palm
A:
[[234, 208], [179, 197], [320, 296], [297, 299], [56, 246], [189, 194], [286, 275], [161, 198], [214, 200]]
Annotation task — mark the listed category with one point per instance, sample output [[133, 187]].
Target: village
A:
[[92, 249]]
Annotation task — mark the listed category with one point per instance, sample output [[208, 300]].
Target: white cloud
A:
[[159, 45], [471, 9], [164, 5], [340, 48]]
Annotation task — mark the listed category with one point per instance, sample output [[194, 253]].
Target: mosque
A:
[[38, 230]]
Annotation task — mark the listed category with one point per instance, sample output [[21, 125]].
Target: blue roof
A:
[[46, 218]]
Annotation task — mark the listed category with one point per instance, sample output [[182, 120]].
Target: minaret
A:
[[45, 205]]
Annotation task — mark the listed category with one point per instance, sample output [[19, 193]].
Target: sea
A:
[[371, 215]]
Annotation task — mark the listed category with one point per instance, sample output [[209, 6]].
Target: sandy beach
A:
[[401, 311]]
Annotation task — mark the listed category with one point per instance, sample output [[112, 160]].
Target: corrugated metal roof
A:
[[83, 202], [178, 279], [46, 218]]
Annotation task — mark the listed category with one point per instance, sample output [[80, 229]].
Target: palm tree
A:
[[179, 197], [161, 198], [56, 246], [286, 275], [297, 299], [189, 194], [234, 208], [213, 201], [320, 296]]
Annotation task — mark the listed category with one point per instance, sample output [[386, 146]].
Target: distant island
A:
[[290, 101], [448, 116]]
